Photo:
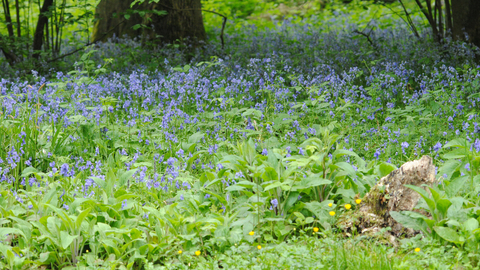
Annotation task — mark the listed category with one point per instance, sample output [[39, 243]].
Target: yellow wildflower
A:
[[348, 206], [315, 229], [198, 252], [417, 250], [330, 204], [251, 233], [180, 252], [259, 247], [358, 201], [332, 213]]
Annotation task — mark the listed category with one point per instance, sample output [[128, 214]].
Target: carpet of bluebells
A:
[[242, 157]]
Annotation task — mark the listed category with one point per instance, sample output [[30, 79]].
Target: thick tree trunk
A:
[[41, 23], [10, 56], [184, 19], [466, 19]]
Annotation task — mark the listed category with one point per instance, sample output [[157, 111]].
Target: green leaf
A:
[[407, 221], [137, 26], [424, 194], [99, 181], [346, 167], [29, 170], [442, 206], [462, 143], [196, 137], [299, 215], [66, 239], [269, 174], [81, 217], [471, 224], [125, 177], [456, 185], [449, 235], [312, 181], [386, 168], [4, 231], [319, 209]]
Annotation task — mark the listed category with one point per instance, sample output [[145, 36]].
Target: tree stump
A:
[[390, 194]]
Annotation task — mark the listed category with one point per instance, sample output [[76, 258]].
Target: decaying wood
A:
[[390, 194]]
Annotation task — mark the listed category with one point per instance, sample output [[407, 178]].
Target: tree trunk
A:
[[183, 19], [10, 56], [466, 19], [41, 23], [8, 17]]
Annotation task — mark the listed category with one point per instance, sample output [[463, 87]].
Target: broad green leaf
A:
[[29, 170], [5, 230], [462, 143], [442, 206], [346, 167], [424, 194], [309, 182], [386, 168], [299, 215], [319, 209], [66, 239], [196, 137], [456, 185], [471, 224], [270, 174], [407, 221], [455, 154], [125, 177], [449, 235], [81, 217]]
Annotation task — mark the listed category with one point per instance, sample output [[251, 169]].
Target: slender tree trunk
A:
[[466, 20], [38, 37], [448, 17], [8, 17], [19, 28]]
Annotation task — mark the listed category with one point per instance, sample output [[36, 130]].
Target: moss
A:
[[377, 200]]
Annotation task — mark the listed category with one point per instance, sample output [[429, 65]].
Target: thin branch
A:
[[86, 45], [409, 20], [367, 36]]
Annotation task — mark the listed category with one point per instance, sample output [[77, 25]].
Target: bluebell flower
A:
[[64, 169], [274, 203], [437, 147]]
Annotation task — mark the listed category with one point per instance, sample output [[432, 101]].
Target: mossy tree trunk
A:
[[183, 20]]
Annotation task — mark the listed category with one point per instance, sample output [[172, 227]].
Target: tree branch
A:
[[409, 20], [86, 45], [367, 36]]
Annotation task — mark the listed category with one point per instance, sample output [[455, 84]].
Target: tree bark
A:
[[8, 17], [10, 56], [183, 19], [41, 23], [466, 20]]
